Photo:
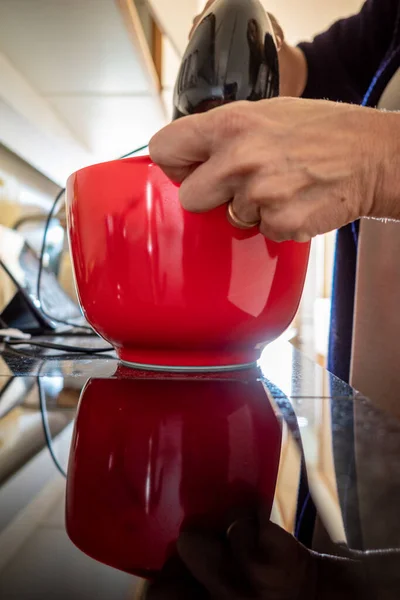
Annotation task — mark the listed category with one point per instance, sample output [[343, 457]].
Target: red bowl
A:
[[150, 458], [170, 288]]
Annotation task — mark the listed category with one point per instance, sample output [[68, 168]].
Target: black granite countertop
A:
[[347, 496]]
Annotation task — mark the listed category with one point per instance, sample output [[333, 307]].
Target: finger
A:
[[206, 187], [278, 31], [288, 224], [283, 206], [174, 591], [199, 17], [174, 582], [180, 146], [194, 25], [277, 543], [212, 564], [245, 210], [273, 190], [243, 536], [270, 558], [279, 43], [312, 211], [261, 572], [250, 540]]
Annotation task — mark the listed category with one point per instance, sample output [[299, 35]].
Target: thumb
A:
[[252, 540], [278, 31], [180, 147], [271, 559]]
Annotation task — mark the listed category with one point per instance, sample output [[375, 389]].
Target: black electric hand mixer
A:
[[231, 55]]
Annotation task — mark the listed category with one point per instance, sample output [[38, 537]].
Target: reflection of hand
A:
[[266, 565], [304, 167]]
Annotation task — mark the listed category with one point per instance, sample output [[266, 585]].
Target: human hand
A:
[[268, 565], [256, 563], [300, 167]]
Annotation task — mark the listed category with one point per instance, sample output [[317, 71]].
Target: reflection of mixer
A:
[[231, 56]]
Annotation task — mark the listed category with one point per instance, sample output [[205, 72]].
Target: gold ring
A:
[[236, 222]]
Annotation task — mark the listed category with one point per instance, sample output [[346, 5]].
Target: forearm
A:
[[385, 152], [342, 61]]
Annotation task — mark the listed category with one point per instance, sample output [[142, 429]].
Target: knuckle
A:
[[233, 118], [185, 196], [294, 223], [264, 192], [302, 238], [258, 191], [284, 196], [281, 227], [242, 161], [271, 234]]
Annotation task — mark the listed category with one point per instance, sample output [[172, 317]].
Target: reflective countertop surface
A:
[[350, 446]]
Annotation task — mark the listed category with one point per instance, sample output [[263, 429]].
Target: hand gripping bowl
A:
[[170, 289]]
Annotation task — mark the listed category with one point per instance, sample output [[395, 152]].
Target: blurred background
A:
[[83, 81]]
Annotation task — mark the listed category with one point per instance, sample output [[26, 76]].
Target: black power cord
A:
[[43, 251], [13, 343], [46, 428], [9, 342], [41, 260]]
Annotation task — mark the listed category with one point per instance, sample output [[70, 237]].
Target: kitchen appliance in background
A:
[[26, 311]]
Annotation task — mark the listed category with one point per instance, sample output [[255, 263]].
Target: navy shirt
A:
[[352, 61]]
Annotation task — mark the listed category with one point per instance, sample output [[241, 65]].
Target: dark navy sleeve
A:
[[343, 60]]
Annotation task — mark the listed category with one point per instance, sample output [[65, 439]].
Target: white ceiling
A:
[[79, 61], [75, 87], [71, 47]]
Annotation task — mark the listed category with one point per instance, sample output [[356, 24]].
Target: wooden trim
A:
[[157, 49], [159, 22], [134, 26]]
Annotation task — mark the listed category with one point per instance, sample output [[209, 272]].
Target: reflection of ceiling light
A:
[[53, 385], [55, 235], [276, 364], [302, 422]]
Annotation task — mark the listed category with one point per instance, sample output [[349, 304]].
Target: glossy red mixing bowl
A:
[[170, 288], [153, 457]]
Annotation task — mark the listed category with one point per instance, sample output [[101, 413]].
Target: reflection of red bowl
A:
[[150, 457], [168, 287]]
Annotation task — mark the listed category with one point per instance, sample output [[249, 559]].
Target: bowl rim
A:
[[145, 158]]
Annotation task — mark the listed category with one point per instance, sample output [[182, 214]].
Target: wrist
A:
[[292, 70], [385, 145]]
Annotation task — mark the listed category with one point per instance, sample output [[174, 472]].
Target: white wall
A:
[[303, 20]]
